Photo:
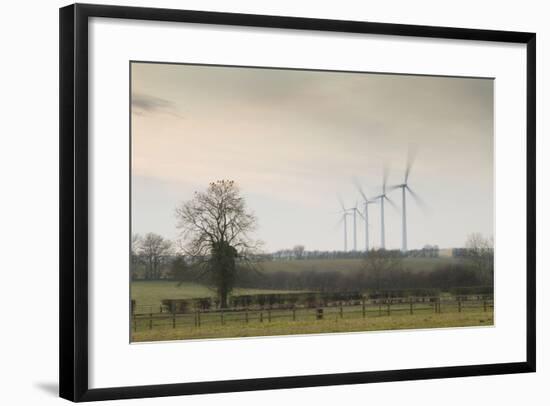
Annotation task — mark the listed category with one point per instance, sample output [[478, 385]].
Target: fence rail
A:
[[198, 318]]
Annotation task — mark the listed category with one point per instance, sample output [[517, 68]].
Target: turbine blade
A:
[[359, 188], [411, 157], [419, 201], [391, 202], [384, 178]]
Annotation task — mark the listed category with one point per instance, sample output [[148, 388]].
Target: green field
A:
[[152, 292], [343, 265], [331, 324], [255, 322]]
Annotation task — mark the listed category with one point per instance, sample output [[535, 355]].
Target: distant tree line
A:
[[443, 277], [150, 256], [381, 271], [299, 252], [428, 251], [153, 258]]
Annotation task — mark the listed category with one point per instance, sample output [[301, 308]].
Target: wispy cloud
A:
[[146, 104]]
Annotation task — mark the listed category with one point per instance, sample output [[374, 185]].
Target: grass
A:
[[331, 323], [152, 292], [343, 265]]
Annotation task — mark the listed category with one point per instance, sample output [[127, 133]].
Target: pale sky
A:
[[295, 140]]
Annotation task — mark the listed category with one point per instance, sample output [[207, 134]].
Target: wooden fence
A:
[[197, 318]]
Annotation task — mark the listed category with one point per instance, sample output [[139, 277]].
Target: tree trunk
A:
[[223, 298], [224, 268]]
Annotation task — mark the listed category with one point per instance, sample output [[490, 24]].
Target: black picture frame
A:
[[73, 180]]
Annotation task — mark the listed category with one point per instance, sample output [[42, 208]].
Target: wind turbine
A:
[[355, 211], [345, 213], [382, 198], [404, 189], [366, 203]]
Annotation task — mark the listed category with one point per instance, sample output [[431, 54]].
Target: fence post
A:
[[379, 309], [341, 311], [389, 310], [198, 317], [173, 320], [364, 309], [319, 314], [269, 315], [221, 316], [484, 305], [459, 306], [411, 304], [293, 314], [246, 314], [261, 317], [150, 321]]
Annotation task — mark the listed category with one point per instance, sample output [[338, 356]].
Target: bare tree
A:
[[216, 226], [179, 270], [299, 251], [380, 263], [152, 249], [479, 251], [134, 255]]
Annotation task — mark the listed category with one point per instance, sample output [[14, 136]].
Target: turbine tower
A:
[[404, 189], [345, 213], [355, 211], [344, 218], [382, 198], [365, 214]]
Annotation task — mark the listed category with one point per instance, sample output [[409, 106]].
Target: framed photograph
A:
[[257, 202]]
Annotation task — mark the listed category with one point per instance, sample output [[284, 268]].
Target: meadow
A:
[[412, 264], [330, 324], [152, 324], [151, 293]]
